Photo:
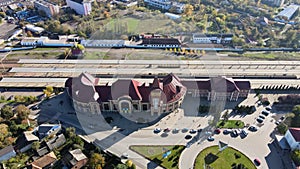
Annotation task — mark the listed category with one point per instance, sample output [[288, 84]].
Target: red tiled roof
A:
[[218, 84], [125, 88], [44, 161], [156, 84], [295, 133], [82, 88]]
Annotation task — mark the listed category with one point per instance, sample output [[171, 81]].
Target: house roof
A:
[[56, 142], [44, 161], [6, 150], [295, 133], [30, 137], [289, 11], [77, 155], [45, 129], [83, 88], [124, 87]]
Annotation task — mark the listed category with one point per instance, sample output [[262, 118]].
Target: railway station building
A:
[[162, 95]]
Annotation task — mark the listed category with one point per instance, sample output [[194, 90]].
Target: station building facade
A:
[[125, 95], [161, 96]]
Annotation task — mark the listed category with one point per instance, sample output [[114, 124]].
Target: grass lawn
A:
[[222, 160], [231, 124], [95, 55], [36, 55], [155, 154]]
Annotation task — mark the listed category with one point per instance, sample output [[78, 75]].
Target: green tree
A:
[[22, 111], [282, 128], [48, 91], [7, 112], [96, 160], [188, 10], [121, 166], [296, 156], [70, 132], [130, 164], [36, 145], [2, 14], [3, 132]]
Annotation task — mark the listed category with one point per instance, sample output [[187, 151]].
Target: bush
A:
[[295, 155], [282, 128], [237, 156]]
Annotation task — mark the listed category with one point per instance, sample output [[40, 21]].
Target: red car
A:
[[256, 162], [167, 130], [217, 131]]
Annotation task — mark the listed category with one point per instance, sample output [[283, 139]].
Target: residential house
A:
[[75, 159], [7, 153], [53, 143], [292, 136], [288, 13], [45, 130], [45, 162], [24, 142]]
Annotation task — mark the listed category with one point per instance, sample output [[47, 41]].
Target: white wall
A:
[[81, 9]]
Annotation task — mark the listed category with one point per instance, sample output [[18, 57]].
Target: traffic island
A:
[[165, 156], [229, 158]]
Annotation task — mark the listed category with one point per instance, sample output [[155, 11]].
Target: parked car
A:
[[268, 108], [234, 133], [227, 131], [188, 137], [167, 130], [192, 131], [244, 133], [265, 113], [259, 120], [261, 116], [257, 162], [156, 130], [278, 122], [252, 128], [176, 130], [217, 131], [185, 130], [282, 118], [210, 138], [188, 145]]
